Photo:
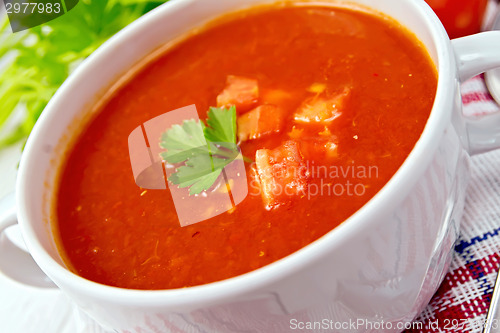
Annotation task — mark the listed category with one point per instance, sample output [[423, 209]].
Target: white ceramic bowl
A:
[[382, 265]]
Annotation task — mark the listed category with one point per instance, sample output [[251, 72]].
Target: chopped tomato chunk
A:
[[241, 92], [321, 109], [262, 120], [282, 173]]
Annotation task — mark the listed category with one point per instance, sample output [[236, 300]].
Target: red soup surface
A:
[[339, 94]]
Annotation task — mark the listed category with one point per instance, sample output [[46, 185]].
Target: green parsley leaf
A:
[[182, 141], [203, 150], [221, 125], [198, 168]]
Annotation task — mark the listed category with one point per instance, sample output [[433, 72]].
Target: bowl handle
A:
[[476, 54], [16, 263]]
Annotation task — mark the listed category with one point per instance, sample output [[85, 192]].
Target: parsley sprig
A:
[[203, 150]]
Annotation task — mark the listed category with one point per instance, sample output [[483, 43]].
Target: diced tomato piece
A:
[[241, 92], [282, 174], [321, 109], [262, 120]]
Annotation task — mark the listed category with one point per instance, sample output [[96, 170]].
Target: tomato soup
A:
[[328, 102]]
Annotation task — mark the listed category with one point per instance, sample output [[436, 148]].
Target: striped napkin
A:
[[461, 303]]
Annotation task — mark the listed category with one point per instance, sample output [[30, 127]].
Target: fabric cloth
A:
[[462, 301]]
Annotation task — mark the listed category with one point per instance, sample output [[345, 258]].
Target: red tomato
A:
[[460, 17]]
